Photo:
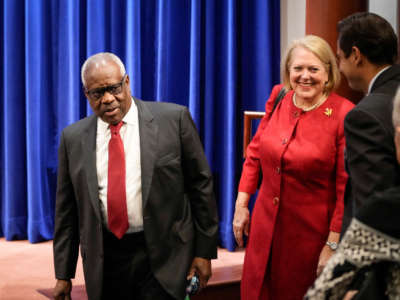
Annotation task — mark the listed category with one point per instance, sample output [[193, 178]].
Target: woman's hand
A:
[[241, 219], [350, 294], [327, 252], [325, 255]]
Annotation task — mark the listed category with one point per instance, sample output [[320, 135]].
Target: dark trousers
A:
[[127, 272]]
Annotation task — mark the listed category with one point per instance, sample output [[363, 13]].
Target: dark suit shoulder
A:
[[376, 110], [376, 103], [387, 82], [162, 110], [80, 126], [161, 107], [375, 107]]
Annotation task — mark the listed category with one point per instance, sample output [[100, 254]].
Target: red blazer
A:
[[301, 155]]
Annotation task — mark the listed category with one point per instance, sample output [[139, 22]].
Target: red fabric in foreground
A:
[[78, 292]]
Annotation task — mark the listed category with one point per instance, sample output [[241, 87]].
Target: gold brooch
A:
[[328, 111]]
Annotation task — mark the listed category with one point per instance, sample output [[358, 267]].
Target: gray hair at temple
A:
[[396, 109], [100, 58]]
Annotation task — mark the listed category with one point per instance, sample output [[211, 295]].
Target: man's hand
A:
[[62, 290], [202, 267]]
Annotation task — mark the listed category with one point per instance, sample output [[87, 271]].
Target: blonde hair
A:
[[320, 48]]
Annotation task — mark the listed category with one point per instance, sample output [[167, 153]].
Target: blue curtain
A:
[[219, 58]]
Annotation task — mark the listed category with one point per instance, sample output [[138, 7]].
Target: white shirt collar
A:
[[130, 115], [371, 83]]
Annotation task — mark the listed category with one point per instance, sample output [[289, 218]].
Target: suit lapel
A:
[[148, 131], [89, 161]]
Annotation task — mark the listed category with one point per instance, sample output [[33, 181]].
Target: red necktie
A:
[[116, 191]]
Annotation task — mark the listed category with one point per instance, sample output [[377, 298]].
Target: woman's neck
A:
[[308, 104]]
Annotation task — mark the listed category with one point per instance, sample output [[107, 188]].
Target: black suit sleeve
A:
[[370, 155], [199, 189], [66, 234]]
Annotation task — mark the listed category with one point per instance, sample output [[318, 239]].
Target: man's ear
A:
[[397, 142], [357, 56], [397, 137], [127, 85]]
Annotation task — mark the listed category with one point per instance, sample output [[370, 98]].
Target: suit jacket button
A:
[[275, 201], [284, 141], [278, 170]]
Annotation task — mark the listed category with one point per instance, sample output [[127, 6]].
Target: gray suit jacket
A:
[[179, 210]]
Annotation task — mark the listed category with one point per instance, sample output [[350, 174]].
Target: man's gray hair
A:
[[396, 109], [99, 58]]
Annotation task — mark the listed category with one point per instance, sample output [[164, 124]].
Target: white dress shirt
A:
[[129, 133]]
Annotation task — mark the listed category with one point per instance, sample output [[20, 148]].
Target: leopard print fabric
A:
[[361, 247]]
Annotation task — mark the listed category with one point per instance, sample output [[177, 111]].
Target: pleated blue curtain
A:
[[219, 58]]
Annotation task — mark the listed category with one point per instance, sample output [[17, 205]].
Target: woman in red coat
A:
[[299, 147]]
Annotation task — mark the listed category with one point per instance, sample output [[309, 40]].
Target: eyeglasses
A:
[[114, 89]]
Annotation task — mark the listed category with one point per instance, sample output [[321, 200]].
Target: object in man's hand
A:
[[193, 285]]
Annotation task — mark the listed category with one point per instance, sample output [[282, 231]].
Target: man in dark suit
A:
[[367, 51], [164, 230]]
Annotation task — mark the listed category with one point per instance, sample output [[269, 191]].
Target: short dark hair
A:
[[371, 34]]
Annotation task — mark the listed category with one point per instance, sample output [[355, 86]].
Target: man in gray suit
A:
[[165, 228], [367, 51]]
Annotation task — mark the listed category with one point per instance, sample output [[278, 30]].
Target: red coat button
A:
[[275, 201]]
